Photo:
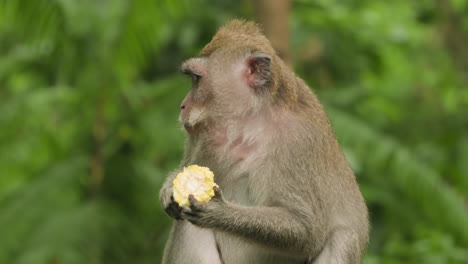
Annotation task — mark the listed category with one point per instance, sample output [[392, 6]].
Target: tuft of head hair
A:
[[240, 26], [238, 34]]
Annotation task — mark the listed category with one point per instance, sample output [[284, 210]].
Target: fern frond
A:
[[423, 187]]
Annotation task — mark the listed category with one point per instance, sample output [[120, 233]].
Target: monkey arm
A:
[[274, 227], [165, 194], [166, 198], [271, 226]]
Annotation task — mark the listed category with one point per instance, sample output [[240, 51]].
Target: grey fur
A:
[[287, 194]]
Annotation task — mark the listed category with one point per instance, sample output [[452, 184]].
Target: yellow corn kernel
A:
[[195, 180]]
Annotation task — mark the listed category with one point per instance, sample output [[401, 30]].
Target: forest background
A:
[[89, 97]]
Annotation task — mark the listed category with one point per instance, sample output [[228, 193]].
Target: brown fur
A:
[[289, 195], [240, 35]]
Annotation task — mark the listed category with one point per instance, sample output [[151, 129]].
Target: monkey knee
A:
[[343, 247]]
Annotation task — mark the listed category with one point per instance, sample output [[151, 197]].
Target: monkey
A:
[[286, 192]]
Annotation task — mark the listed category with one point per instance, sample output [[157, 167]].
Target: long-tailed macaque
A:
[[286, 192]]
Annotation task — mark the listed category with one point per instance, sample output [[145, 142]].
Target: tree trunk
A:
[[273, 16]]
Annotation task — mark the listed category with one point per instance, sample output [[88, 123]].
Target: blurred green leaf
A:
[[89, 97]]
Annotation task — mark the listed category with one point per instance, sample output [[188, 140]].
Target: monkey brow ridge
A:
[[190, 66]]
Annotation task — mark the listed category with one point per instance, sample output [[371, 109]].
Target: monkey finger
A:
[[176, 210], [175, 205], [172, 212], [194, 203], [218, 192], [186, 210]]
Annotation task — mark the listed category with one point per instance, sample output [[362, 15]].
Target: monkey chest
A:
[[238, 190]]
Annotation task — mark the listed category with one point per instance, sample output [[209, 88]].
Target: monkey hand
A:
[[167, 200], [204, 214]]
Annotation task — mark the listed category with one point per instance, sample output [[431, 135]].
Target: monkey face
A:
[[224, 87], [194, 106]]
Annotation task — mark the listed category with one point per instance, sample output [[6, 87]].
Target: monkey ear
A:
[[258, 70]]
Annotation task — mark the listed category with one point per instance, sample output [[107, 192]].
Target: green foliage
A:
[[89, 96]]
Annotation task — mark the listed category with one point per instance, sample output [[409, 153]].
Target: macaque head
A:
[[231, 77]]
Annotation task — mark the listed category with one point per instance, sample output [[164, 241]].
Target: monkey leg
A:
[[343, 247], [189, 244]]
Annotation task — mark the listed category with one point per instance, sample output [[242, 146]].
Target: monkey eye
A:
[[195, 78]]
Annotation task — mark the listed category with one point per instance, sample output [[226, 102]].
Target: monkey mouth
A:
[[187, 126], [196, 128], [190, 128]]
